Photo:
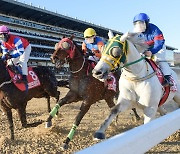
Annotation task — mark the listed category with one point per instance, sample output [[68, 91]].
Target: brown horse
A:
[[83, 87], [13, 98]]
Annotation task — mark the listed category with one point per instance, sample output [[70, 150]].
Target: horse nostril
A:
[[98, 73]]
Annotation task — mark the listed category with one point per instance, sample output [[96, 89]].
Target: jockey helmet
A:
[[4, 29], [141, 17], [89, 32]]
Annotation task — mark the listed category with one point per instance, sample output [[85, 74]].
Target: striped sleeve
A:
[[158, 41], [4, 51], [19, 48]]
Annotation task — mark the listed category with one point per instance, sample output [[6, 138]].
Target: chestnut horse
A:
[[13, 98], [83, 86]]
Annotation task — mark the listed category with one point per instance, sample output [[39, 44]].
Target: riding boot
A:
[[167, 81], [22, 80]]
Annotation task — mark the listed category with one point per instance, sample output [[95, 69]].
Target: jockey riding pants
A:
[[93, 58], [22, 60], [161, 61]]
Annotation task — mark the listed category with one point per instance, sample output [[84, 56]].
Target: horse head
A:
[[113, 54], [4, 73], [64, 50]]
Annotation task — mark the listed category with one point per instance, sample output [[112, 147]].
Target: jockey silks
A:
[[154, 38], [15, 46], [20, 49], [95, 47]]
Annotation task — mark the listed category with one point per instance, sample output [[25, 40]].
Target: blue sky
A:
[[118, 14]]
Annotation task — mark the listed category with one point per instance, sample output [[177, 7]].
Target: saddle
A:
[[160, 76], [16, 74]]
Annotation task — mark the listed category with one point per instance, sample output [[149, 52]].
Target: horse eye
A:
[[116, 52]]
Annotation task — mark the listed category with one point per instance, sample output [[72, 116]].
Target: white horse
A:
[[138, 84]]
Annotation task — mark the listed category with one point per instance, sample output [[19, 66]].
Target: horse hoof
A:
[[99, 136], [48, 124], [65, 146]]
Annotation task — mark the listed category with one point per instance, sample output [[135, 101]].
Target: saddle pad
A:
[[33, 80], [161, 79]]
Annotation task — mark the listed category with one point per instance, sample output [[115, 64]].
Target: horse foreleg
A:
[[48, 104], [136, 114], [70, 97], [83, 110], [10, 120], [22, 114], [8, 112], [149, 114], [120, 107]]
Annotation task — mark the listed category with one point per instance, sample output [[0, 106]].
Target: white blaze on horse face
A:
[[101, 70]]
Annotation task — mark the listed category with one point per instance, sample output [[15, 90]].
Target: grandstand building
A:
[[43, 29]]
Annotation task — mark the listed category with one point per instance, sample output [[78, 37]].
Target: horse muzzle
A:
[[98, 74]]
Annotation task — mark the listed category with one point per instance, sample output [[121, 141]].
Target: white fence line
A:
[[140, 139]]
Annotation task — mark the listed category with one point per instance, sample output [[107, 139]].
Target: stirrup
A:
[[167, 83]]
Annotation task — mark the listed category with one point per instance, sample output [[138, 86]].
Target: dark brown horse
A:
[[83, 87], [13, 98]]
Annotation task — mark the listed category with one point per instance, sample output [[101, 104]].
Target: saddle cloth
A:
[[161, 80], [33, 80]]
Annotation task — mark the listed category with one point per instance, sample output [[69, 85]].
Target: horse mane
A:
[[136, 40], [78, 47]]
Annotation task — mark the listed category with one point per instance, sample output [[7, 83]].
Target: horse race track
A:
[[40, 140]]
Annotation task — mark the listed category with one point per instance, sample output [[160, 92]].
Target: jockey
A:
[[15, 49], [92, 45], [155, 39]]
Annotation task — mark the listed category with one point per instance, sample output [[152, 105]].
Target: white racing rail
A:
[[140, 139]]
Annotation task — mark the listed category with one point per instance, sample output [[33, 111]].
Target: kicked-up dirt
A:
[[40, 140]]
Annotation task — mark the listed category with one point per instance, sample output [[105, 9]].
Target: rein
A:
[[80, 68], [4, 83], [134, 62], [140, 79]]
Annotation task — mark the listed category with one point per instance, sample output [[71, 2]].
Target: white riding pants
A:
[[161, 61], [93, 58], [22, 60]]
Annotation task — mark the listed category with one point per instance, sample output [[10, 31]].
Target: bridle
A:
[[69, 46]]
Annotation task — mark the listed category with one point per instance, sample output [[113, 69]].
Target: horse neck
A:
[[4, 73], [138, 69], [77, 63]]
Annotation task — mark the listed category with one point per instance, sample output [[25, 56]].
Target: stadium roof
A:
[[37, 14], [29, 12]]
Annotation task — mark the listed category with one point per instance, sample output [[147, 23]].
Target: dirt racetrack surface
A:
[[39, 140]]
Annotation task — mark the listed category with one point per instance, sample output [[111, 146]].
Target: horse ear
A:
[[124, 37], [110, 34], [72, 37]]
